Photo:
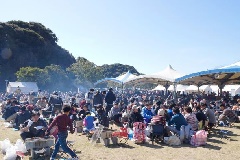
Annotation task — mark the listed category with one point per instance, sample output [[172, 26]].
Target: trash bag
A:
[[173, 140], [20, 146], [8, 125], [10, 153], [5, 144]]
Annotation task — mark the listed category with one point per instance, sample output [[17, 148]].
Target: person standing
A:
[[109, 99], [62, 122]]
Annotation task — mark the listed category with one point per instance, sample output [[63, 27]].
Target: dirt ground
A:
[[216, 148]]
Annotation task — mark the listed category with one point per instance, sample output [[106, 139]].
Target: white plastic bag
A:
[[10, 153], [20, 146], [148, 130], [8, 125], [5, 144], [173, 141]]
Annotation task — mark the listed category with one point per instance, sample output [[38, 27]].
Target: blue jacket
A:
[[177, 120], [147, 113], [89, 122], [170, 113]]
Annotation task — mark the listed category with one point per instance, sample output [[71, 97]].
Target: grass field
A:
[[216, 148]]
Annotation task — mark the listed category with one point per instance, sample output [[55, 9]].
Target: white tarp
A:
[[25, 87], [179, 87], [168, 75], [159, 88], [205, 88], [230, 88], [120, 79]]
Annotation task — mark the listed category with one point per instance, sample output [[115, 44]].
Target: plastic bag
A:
[[173, 141], [8, 125], [20, 146], [5, 145], [148, 131], [199, 139], [10, 153]]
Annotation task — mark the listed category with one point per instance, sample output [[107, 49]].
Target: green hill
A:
[[29, 48]]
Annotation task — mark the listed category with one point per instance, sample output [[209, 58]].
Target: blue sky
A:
[[191, 35]]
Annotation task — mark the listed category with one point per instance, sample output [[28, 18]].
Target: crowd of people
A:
[[36, 114]]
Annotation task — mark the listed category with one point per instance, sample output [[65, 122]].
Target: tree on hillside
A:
[[57, 78], [32, 74], [114, 70], [24, 44], [85, 71]]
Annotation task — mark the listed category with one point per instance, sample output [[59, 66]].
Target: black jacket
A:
[[110, 97], [135, 117]]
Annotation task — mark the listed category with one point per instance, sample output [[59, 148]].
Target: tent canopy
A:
[[25, 87], [225, 75], [164, 77], [120, 79]]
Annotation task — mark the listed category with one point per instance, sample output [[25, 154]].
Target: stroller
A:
[[156, 132]]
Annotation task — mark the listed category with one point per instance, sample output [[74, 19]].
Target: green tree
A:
[[85, 71], [32, 74]]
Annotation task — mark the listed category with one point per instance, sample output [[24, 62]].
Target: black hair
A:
[[176, 110], [66, 108], [188, 109]]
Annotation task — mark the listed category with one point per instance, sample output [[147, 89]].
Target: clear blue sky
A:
[[191, 35]]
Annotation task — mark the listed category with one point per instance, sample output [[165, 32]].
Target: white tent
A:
[[234, 88], [159, 88], [164, 77], [25, 87], [179, 87], [193, 88], [214, 88], [120, 79]]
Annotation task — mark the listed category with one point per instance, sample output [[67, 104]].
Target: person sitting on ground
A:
[[22, 116], [62, 122], [115, 113], [177, 121], [10, 113], [102, 117], [74, 112], [209, 114], [227, 116], [88, 123], [191, 118], [135, 116], [82, 113], [35, 127], [42, 103], [147, 113]]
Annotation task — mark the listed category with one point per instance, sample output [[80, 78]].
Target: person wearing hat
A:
[[36, 127], [109, 99]]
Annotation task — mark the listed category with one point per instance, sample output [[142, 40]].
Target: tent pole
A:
[[175, 92]]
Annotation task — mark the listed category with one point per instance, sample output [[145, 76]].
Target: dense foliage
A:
[[29, 52]]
